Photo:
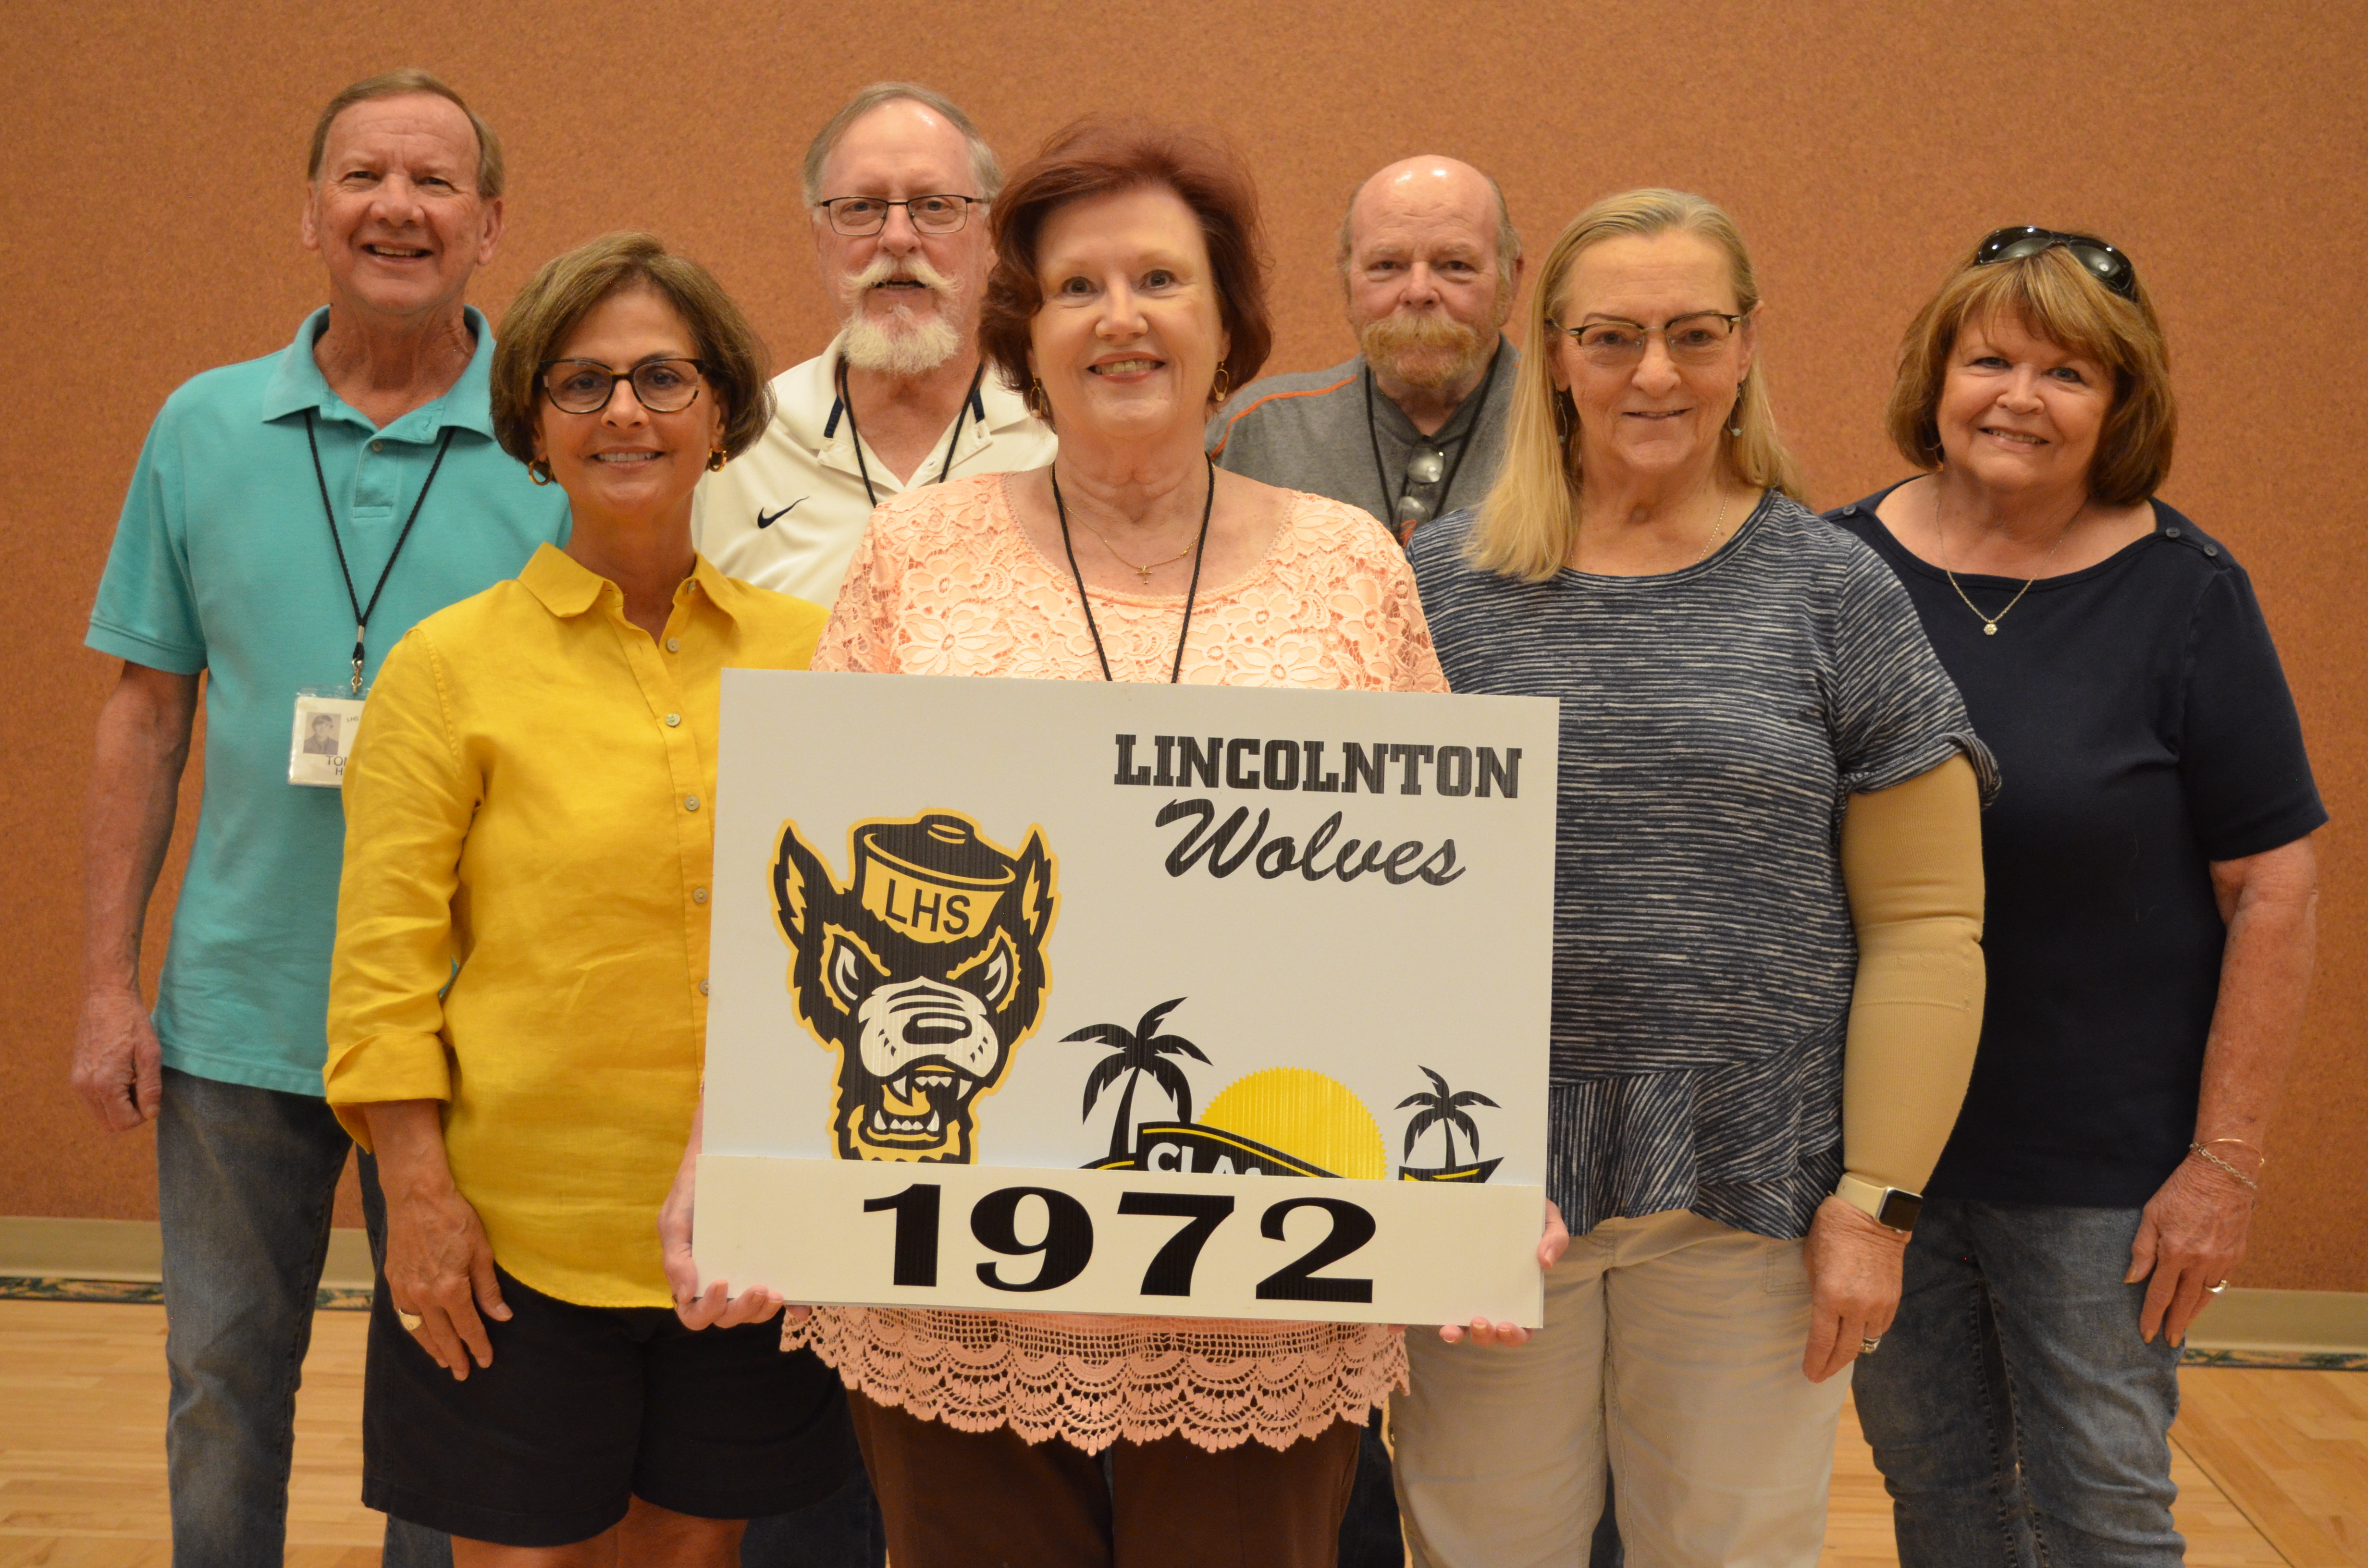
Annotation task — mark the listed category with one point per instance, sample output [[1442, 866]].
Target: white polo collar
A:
[[806, 403]]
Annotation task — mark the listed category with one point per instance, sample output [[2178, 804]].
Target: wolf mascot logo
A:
[[924, 976]]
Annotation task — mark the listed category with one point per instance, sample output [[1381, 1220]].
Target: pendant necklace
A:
[[1176, 672], [1143, 572], [1991, 622]]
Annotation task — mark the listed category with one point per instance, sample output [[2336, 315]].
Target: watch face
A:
[[1900, 1210]]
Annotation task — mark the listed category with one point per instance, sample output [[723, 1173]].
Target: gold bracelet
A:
[[2241, 1143], [2211, 1158]]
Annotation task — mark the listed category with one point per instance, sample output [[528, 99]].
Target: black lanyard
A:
[[1200, 553], [1463, 445], [361, 610], [970, 401]]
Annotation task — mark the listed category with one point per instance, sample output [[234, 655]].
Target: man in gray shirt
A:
[[1414, 425]]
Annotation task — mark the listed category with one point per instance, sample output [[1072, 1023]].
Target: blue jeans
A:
[[2017, 1419], [246, 1180], [1369, 1535]]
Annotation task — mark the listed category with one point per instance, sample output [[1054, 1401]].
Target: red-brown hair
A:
[[2057, 298], [1102, 156]]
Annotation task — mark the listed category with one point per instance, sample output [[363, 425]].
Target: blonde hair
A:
[[1530, 520], [2054, 296]]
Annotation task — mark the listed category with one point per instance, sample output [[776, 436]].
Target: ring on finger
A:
[[2215, 1289], [1867, 1346], [410, 1321]]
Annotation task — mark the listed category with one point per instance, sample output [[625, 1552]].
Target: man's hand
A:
[[2190, 1238], [117, 1065], [1854, 1268], [136, 778], [1550, 1246]]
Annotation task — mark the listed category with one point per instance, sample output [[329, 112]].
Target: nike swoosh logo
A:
[[766, 519]]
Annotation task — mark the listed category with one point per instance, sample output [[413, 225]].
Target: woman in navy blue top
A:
[[2149, 930]]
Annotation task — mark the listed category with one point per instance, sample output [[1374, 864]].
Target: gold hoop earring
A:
[[1222, 385], [1038, 404], [1565, 416], [715, 461], [539, 470]]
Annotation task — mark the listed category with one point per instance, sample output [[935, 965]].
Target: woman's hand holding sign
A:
[[1550, 1246], [713, 1305]]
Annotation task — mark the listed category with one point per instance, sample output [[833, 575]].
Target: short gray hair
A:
[[403, 83], [984, 168], [1508, 238]]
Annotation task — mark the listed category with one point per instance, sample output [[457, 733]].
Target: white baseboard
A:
[[2296, 1322], [132, 1249]]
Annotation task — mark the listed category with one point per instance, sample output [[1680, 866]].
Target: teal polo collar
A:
[[297, 385]]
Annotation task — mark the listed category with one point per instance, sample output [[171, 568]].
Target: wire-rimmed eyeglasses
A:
[[2105, 263], [939, 214], [1693, 339], [585, 386]]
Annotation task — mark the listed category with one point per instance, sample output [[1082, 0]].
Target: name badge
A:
[[322, 738]]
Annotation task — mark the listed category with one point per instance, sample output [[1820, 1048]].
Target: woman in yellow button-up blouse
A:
[[518, 1008]]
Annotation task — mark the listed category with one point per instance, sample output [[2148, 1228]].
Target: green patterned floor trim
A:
[[143, 1293]]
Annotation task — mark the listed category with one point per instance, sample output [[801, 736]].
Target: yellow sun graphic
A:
[[1302, 1113]]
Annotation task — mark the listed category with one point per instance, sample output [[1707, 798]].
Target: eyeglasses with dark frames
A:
[[2105, 263], [1696, 338], [585, 386], [939, 214]]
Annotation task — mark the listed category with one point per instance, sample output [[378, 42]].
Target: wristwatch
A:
[[1887, 1206]]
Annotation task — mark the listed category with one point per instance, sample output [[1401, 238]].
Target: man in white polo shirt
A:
[[898, 186]]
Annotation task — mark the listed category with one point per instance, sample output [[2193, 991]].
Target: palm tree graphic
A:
[[1134, 1053], [1446, 1109]]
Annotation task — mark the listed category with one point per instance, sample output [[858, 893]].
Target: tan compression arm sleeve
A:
[[1912, 866]]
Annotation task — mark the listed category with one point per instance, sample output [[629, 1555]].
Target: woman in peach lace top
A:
[[1126, 297]]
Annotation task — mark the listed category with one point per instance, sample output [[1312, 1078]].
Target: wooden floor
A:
[[2271, 1466]]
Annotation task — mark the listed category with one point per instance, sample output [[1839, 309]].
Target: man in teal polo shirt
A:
[[291, 517]]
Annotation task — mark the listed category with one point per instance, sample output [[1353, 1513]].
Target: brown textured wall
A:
[[152, 181]]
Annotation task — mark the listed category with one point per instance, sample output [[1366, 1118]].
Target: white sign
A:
[[1050, 995]]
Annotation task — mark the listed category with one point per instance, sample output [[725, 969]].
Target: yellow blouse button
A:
[[699, 895], [690, 803], [672, 719]]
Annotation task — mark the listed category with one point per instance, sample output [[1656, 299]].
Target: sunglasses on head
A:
[[2105, 263]]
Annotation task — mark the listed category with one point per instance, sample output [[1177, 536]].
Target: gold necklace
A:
[[1143, 572], [1991, 622], [1717, 528]]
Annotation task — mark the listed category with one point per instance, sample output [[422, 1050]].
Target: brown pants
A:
[[955, 1499]]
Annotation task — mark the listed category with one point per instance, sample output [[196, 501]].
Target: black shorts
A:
[[586, 1408]]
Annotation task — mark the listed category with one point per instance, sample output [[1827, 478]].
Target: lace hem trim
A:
[[1216, 1388]]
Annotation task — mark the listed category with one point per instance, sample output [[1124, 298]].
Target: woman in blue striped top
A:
[[1767, 974]]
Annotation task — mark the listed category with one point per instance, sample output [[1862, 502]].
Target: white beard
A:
[[901, 343]]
